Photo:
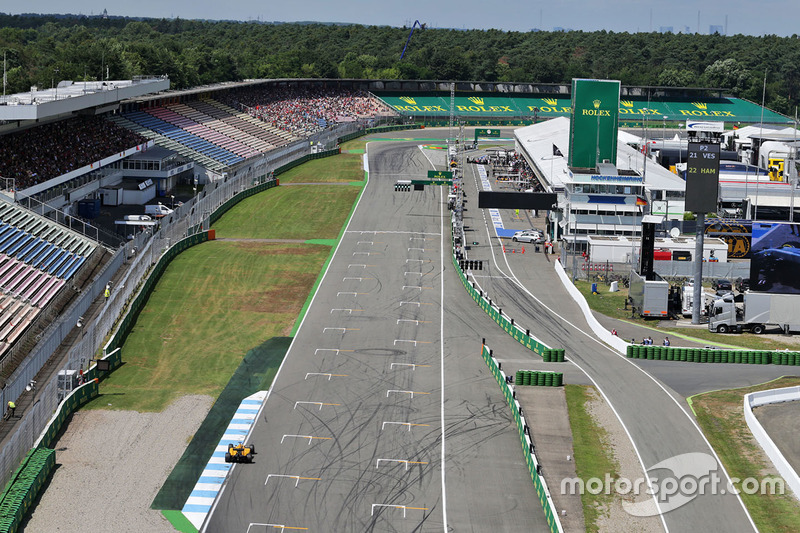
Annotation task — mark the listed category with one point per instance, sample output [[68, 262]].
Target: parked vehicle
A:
[[742, 284], [157, 210], [528, 235], [721, 286], [759, 310]]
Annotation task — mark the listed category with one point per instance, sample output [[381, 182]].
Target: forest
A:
[[41, 50]]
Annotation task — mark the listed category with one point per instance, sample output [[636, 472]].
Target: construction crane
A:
[[413, 27]]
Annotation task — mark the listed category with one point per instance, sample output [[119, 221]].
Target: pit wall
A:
[[509, 326], [539, 484], [756, 399]]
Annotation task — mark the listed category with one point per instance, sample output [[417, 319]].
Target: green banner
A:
[[593, 128], [485, 132], [630, 110], [440, 175]]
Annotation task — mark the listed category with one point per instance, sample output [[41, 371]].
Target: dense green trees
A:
[[199, 52]]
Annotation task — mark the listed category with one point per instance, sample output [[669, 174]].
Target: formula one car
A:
[[239, 453]]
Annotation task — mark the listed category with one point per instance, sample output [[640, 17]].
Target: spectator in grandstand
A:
[[41, 153]]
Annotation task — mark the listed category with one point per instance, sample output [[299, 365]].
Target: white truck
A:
[[759, 310], [687, 300]]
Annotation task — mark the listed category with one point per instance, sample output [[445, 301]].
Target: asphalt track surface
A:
[[385, 287], [656, 417], [351, 437]]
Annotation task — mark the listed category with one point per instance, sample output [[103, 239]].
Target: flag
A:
[[556, 151], [640, 201]]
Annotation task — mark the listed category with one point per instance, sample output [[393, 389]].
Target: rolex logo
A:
[[596, 104], [550, 101], [700, 105], [476, 100], [626, 103], [408, 100]]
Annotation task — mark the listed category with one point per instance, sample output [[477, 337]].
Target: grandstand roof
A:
[[537, 142], [71, 96]]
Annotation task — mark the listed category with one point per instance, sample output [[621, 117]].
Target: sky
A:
[[749, 17]]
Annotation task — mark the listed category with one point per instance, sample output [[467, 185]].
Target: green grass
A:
[[593, 456], [611, 304], [297, 212], [720, 416], [214, 303], [337, 168]]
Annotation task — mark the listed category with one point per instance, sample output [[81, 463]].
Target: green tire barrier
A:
[[550, 512], [71, 403], [706, 355], [549, 355], [539, 378], [24, 487]]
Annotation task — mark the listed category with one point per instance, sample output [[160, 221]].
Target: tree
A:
[[728, 73]]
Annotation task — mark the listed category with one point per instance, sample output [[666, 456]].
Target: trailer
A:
[[649, 298], [758, 311]]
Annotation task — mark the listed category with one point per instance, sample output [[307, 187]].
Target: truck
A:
[[649, 298], [758, 311], [687, 300]]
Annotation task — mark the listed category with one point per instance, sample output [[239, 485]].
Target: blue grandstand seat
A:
[[74, 268], [32, 254], [58, 263], [55, 256], [30, 246], [43, 255], [67, 265], [21, 243], [13, 239]]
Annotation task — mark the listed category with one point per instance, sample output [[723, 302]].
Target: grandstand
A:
[[37, 258]]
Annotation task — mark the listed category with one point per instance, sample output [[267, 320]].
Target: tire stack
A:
[[539, 378]]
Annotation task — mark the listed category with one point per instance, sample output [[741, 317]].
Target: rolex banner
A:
[[593, 128]]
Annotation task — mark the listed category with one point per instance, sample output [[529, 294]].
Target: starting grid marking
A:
[[349, 311], [282, 527], [416, 287], [412, 365], [320, 404], [343, 330], [415, 303], [403, 507], [326, 374], [376, 232], [411, 392], [415, 342], [409, 425], [205, 491], [404, 461], [416, 322], [309, 437], [418, 260], [351, 277], [367, 253], [337, 350], [296, 478]]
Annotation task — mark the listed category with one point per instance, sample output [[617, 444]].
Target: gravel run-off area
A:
[[109, 467], [614, 517]]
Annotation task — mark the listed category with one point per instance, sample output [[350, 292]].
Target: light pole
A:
[[664, 142]]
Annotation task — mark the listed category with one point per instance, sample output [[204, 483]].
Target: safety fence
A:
[[379, 129], [126, 325], [539, 378], [238, 197], [549, 355], [308, 157], [713, 355], [534, 467]]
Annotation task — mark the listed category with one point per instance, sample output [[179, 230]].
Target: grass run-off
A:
[[720, 415], [593, 454], [215, 302], [219, 299], [290, 212], [341, 168]]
